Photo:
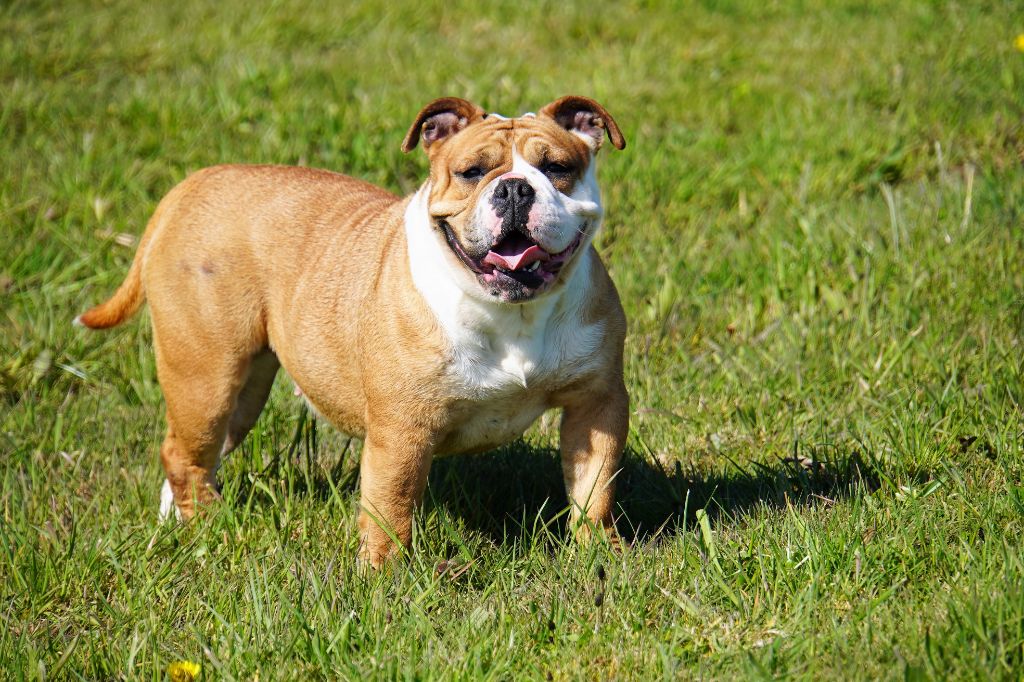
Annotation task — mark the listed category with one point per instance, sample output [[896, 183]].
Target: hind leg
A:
[[198, 410], [251, 399], [248, 404], [203, 373]]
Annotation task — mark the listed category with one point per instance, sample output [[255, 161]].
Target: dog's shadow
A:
[[510, 493], [506, 493]]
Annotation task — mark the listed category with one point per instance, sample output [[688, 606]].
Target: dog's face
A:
[[513, 200]]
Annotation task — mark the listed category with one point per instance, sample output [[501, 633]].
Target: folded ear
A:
[[440, 119], [586, 118]]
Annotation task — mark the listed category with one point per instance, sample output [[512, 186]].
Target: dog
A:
[[442, 323]]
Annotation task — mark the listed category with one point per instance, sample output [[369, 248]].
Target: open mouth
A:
[[516, 262]]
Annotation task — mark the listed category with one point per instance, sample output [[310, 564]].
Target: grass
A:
[[816, 230]]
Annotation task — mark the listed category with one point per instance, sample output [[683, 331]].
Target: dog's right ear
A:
[[440, 119]]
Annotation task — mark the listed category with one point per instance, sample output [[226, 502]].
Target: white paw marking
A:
[[167, 502]]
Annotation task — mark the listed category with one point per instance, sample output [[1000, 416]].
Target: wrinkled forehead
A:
[[530, 137]]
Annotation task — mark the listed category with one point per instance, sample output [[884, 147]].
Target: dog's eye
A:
[[471, 173], [555, 168]]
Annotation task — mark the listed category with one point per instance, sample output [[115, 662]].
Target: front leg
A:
[[594, 428], [393, 475]]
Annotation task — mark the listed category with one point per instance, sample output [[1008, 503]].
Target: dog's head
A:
[[512, 200]]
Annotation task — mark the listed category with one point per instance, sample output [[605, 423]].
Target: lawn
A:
[[817, 230]]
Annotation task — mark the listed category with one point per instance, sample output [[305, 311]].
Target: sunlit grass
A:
[[816, 231]]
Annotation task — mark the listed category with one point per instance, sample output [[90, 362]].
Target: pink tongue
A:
[[532, 254]]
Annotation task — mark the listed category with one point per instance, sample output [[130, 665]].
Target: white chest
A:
[[501, 354], [506, 365]]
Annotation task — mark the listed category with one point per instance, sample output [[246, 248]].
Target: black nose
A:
[[518, 189], [512, 199]]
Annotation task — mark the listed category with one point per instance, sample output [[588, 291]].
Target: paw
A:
[[376, 550], [167, 503], [587, 532]]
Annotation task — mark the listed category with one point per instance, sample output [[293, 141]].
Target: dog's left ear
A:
[[586, 118], [440, 119]]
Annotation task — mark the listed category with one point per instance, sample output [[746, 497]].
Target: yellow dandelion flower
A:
[[183, 671], [1019, 43]]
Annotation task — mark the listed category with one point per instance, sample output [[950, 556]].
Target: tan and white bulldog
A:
[[442, 323]]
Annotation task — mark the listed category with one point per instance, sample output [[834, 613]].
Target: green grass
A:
[[817, 231]]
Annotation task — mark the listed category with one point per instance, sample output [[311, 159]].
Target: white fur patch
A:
[[167, 502]]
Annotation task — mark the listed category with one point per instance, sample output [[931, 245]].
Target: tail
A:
[[128, 298]]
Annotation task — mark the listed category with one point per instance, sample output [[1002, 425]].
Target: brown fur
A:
[[248, 268]]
